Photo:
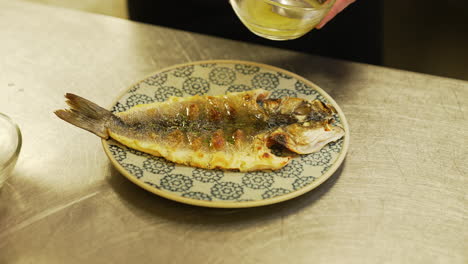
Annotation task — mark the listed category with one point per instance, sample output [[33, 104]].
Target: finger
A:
[[337, 8]]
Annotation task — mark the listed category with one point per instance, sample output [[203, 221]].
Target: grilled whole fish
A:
[[233, 131]]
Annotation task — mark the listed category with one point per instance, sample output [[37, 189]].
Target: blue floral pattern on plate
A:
[[158, 165], [156, 80], [238, 88], [265, 80], [281, 93], [183, 71], [196, 85], [163, 93], [137, 99], [227, 190], [246, 69], [176, 182], [118, 107], [222, 188], [222, 76], [197, 196]]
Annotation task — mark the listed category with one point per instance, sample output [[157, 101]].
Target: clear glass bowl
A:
[[281, 19], [10, 146]]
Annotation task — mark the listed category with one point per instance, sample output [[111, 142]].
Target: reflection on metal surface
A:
[[402, 183]]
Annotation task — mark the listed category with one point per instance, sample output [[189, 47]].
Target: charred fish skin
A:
[[227, 132], [232, 131]]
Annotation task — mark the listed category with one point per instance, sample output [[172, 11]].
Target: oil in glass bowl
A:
[[281, 19]]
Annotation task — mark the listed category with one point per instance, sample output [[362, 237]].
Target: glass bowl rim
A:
[[324, 6], [19, 143]]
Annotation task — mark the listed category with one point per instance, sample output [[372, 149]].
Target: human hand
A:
[[337, 8]]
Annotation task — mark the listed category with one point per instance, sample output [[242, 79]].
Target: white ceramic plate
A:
[[215, 188]]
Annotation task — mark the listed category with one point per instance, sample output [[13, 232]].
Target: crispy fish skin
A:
[[233, 131]]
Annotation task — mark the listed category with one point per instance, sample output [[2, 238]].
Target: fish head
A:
[[311, 125], [299, 110], [305, 138], [311, 111]]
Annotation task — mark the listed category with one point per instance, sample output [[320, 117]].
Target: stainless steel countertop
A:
[[399, 197]]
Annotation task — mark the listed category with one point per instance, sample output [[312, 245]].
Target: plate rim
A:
[[220, 204]]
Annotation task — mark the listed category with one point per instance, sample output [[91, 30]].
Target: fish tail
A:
[[86, 115]]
